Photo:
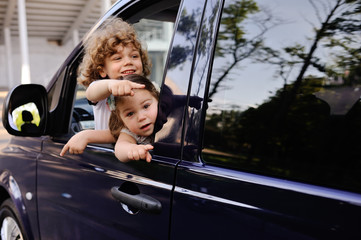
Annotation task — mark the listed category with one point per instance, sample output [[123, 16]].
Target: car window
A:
[[174, 114], [55, 91], [154, 26], [83, 116], [284, 99], [156, 36]]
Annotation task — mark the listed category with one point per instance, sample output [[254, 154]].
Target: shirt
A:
[[139, 139]]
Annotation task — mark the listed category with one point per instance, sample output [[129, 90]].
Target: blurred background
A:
[[36, 36]]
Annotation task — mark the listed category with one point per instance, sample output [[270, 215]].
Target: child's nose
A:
[[128, 60], [141, 117]]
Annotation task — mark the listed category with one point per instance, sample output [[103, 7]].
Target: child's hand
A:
[[123, 87], [75, 145], [138, 152]]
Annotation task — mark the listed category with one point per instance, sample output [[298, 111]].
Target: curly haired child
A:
[[111, 52]]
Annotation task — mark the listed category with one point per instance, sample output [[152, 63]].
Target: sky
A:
[[252, 83]]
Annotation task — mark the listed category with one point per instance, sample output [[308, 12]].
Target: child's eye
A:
[[135, 56], [146, 106], [116, 57], [129, 114]]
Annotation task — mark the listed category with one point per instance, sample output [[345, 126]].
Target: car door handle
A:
[[139, 201]]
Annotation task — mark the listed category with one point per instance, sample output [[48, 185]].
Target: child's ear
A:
[[102, 73]]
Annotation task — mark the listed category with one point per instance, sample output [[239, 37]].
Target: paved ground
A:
[[4, 136]]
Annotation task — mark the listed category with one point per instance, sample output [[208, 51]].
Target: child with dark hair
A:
[[132, 120]]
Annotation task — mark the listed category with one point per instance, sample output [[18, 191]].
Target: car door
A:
[[273, 151], [79, 196]]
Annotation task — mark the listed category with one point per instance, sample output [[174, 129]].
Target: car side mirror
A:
[[25, 110]]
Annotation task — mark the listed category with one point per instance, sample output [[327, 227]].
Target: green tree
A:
[[338, 28], [233, 40]]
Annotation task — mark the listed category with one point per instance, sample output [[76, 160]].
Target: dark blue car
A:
[[258, 137]]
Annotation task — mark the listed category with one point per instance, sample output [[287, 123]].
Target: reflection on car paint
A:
[[213, 198]]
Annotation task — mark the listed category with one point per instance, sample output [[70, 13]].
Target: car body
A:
[[258, 134]]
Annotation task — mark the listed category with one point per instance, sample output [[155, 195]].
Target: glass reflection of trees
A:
[[188, 26], [174, 93], [308, 130]]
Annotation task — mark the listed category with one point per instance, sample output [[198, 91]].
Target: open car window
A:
[[154, 25]]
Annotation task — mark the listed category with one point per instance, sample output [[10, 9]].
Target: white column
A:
[[9, 60], [75, 37], [106, 4], [23, 34], [168, 34]]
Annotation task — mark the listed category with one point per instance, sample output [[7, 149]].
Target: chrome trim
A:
[[214, 198], [150, 182], [339, 195], [138, 179]]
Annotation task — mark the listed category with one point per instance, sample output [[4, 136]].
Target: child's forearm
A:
[[122, 146], [98, 136], [79, 141], [98, 90], [126, 151], [121, 150]]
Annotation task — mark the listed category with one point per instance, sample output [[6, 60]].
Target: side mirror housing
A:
[[25, 110]]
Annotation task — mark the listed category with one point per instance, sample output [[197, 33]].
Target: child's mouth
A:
[[128, 72], [144, 127]]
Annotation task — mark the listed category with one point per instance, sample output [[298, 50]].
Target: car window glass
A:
[[284, 99], [156, 36], [168, 140], [55, 91], [198, 87]]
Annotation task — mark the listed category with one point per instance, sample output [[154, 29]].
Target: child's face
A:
[[125, 61], [139, 112]]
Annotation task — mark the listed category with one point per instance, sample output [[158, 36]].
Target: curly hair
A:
[[104, 42], [115, 122]]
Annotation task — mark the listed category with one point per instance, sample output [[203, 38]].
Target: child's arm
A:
[[102, 89], [127, 149], [79, 141]]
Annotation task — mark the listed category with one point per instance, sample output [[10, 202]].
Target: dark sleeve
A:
[[91, 103]]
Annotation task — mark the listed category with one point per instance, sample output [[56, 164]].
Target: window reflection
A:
[[25, 118], [174, 94], [199, 79], [285, 98]]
